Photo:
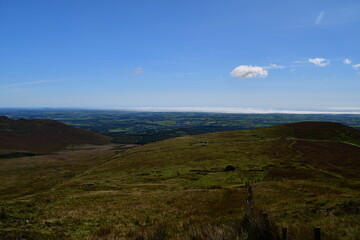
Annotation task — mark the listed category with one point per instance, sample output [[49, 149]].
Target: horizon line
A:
[[228, 110]]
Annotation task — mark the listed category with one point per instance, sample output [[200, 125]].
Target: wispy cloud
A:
[[356, 66], [299, 61], [274, 66], [320, 17], [319, 62], [138, 71], [346, 61], [26, 83], [345, 15]]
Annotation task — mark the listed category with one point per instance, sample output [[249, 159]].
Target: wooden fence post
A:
[[317, 233], [284, 233]]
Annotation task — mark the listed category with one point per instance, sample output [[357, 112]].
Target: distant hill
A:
[[43, 136], [290, 150], [324, 131]]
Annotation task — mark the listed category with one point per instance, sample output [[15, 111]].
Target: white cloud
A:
[[356, 66], [138, 71], [248, 71], [320, 17], [274, 66], [347, 61], [319, 62]]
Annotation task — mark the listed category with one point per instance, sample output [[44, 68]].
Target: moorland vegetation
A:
[[303, 175]]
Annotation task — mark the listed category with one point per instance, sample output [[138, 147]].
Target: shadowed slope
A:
[[330, 131], [43, 136]]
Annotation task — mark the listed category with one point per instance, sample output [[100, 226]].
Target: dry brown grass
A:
[[112, 193]]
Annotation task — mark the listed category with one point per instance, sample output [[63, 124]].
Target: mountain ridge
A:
[[42, 136]]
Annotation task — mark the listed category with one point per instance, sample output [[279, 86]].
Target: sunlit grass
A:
[[118, 194]]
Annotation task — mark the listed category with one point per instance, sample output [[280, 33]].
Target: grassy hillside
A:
[[42, 136], [304, 175]]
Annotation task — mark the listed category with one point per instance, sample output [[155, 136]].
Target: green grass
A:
[[111, 194]]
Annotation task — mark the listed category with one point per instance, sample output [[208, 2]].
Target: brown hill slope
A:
[[301, 178], [330, 131], [43, 136]]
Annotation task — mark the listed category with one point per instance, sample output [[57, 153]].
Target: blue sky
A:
[[189, 53]]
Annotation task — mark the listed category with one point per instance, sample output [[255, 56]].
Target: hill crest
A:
[[331, 131], [43, 136]]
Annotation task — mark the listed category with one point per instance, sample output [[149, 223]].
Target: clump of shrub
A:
[[159, 232], [3, 214], [255, 225]]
